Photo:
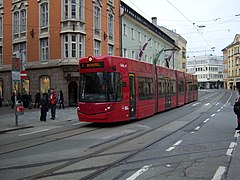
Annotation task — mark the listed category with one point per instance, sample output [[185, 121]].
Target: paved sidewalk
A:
[[31, 118]]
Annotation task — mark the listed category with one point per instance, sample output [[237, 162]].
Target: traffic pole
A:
[[15, 107]]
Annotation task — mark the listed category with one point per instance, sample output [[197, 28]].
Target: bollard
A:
[[19, 110]]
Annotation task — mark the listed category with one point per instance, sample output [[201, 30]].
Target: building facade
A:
[[232, 64], [137, 31], [49, 38], [209, 70], [180, 60]]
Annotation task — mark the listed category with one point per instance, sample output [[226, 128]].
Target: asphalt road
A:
[[190, 142]]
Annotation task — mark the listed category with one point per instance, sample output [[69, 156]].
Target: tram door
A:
[[132, 109], [167, 93]]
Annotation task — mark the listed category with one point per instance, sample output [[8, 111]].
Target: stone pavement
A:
[[31, 118]]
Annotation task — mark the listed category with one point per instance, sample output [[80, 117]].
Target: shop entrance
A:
[[72, 93]]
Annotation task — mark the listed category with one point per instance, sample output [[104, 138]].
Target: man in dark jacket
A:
[[44, 107], [37, 99]]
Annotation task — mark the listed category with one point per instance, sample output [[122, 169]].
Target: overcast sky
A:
[[205, 24]]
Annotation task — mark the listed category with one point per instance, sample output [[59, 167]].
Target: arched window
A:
[[44, 84]]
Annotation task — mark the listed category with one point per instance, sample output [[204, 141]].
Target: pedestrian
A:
[[52, 102], [44, 107], [61, 100], [237, 109], [37, 99], [13, 100], [30, 100], [25, 100], [1, 100]]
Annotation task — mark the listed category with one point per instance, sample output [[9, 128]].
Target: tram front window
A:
[[100, 87]]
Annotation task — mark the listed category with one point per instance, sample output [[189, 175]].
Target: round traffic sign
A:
[[23, 74]]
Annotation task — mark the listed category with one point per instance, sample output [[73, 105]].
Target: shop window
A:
[[1, 88], [15, 86], [26, 86], [44, 84]]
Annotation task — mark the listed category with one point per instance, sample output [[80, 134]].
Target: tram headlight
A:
[[109, 107]]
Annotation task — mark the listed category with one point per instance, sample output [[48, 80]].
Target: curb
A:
[[14, 129]]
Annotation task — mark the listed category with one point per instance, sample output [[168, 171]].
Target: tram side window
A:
[[161, 88], [141, 88], [195, 87], [189, 86], [173, 87], [180, 87], [149, 88], [145, 87], [115, 87]]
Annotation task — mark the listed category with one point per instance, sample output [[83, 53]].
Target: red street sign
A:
[[23, 74]]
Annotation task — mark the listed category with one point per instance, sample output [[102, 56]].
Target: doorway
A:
[[72, 93]]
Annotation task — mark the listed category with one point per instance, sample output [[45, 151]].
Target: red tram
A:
[[116, 89]]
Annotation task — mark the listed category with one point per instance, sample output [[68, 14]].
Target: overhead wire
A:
[[191, 23]]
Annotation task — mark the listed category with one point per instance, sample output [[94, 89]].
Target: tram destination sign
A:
[[92, 65]]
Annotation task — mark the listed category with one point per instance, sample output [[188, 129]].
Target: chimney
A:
[[154, 20]]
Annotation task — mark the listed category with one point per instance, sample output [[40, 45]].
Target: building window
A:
[[23, 20], [97, 45], [66, 9], [1, 27], [110, 27], [44, 49], [133, 55], [73, 9], [19, 49], [16, 22], [139, 36], [66, 49], [44, 15], [81, 9], [1, 88], [132, 33], [125, 29], [124, 52], [97, 20], [26, 85], [81, 45], [44, 84], [110, 49], [73, 45], [1, 56]]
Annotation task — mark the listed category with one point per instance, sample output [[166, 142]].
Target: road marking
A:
[[236, 135], [222, 107], [192, 132], [196, 104], [178, 142], [139, 172], [220, 171], [171, 148], [212, 115], [218, 110], [206, 120], [217, 104], [197, 128], [74, 124], [230, 148], [34, 132], [207, 104]]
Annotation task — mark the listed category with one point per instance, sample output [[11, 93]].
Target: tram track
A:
[[97, 151], [40, 140]]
